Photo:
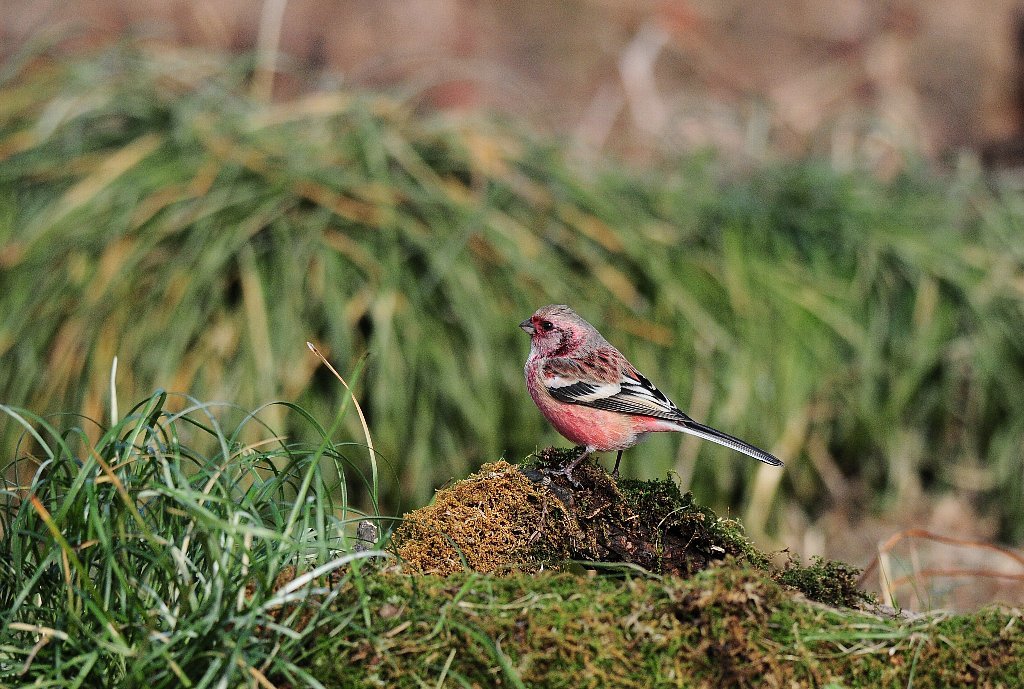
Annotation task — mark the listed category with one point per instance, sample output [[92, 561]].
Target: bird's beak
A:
[[527, 325]]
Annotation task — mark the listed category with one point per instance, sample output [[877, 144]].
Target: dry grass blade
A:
[[355, 402], [888, 583]]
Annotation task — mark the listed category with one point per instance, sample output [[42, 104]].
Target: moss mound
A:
[[531, 517]]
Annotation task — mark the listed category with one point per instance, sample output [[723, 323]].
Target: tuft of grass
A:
[[180, 548], [865, 331]]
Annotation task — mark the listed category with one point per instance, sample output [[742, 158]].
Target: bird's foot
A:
[[568, 469]]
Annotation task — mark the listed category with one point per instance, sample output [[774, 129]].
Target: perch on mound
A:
[[527, 518]]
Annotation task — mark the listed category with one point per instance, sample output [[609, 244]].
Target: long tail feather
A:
[[716, 436]]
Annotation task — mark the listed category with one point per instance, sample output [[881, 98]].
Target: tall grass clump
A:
[[868, 332], [175, 550]]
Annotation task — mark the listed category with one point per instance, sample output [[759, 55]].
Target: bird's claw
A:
[[567, 472], [570, 468]]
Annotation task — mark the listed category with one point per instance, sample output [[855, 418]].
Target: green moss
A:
[[727, 626], [826, 581]]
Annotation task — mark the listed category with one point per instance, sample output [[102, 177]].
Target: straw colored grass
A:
[[867, 332]]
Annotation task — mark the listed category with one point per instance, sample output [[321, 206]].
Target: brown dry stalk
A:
[[888, 585]]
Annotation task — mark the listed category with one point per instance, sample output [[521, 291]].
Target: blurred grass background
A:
[[867, 331]]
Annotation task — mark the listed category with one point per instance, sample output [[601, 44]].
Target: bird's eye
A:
[[546, 326]]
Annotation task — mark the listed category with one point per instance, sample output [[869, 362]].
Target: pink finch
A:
[[597, 399]]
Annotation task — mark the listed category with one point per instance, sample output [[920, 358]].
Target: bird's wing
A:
[[606, 381]]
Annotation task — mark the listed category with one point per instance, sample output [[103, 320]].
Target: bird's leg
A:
[[615, 471], [571, 466]]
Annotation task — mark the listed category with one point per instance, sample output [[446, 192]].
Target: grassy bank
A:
[[866, 331], [172, 553]]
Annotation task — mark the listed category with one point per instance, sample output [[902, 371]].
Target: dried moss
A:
[[646, 523], [495, 520]]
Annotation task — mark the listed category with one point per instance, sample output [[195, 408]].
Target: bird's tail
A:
[[708, 433]]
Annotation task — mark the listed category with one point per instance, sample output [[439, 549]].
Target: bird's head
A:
[[556, 330]]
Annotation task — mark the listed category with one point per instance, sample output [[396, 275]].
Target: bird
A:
[[594, 397]]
